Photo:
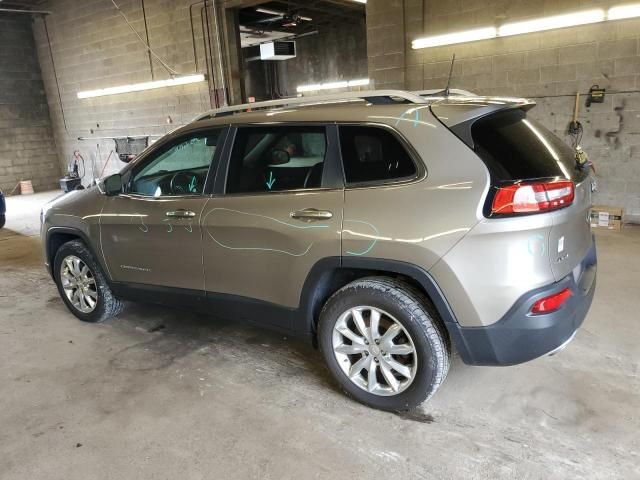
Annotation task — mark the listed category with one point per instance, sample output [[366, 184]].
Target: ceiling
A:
[[278, 19]]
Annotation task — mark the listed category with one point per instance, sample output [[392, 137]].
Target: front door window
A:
[[178, 169]]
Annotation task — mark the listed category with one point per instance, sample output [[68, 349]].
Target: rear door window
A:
[[515, 147], [272, 159], [373, 154]]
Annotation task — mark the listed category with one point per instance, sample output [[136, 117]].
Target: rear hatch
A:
[[518, 150]]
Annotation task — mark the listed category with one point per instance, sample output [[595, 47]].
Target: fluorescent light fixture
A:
[[550, 23], [139, 87], [268, 11], [624, 11], [584, 17], [453, 38], [333, 85], [359, 1], [359, 83]]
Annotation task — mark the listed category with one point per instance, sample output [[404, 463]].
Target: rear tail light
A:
[[551, 303], [532, 197]]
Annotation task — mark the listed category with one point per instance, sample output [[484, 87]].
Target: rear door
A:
[[277, 213], [515, 147]]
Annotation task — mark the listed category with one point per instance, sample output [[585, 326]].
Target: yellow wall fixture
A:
[[583, 17], [139, 87]]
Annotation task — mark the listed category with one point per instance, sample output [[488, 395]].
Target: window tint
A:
[[268, 159], [373, 154], [515, 147], [180, 169]]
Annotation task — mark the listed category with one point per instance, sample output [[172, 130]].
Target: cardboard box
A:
[[606, 217]]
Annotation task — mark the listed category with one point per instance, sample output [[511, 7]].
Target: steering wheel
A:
[[185, 183]]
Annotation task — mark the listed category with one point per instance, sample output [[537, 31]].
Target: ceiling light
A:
[[360, 1], [359, 83], [333, 85], [268, 11], [457, 37], [139, 87], [624, 11], [550, 23]]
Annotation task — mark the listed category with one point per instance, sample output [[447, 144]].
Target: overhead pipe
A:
[[208, 51], [220, 55], [30, 12]]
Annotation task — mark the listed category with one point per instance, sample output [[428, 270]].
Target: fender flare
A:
[[82, 236], [315, 287]]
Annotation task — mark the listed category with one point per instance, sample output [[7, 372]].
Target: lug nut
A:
[[375, 359], [377, 341]]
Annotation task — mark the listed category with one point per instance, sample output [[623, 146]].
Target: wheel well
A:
[[334, 280], [55, 241]]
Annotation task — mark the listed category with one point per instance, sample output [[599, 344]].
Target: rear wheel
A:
[[383, 343], [82, 284]]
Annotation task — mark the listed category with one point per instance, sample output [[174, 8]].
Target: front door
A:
[[150, 233], [280, 213]]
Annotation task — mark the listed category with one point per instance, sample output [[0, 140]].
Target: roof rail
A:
[[372, 96], [453, 91]]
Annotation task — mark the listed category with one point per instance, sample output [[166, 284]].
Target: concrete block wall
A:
[[94, 48], [27, 149], [549, 67]]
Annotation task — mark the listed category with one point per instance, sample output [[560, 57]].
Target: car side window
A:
[[373, 154], [179, 169], [270, 159]]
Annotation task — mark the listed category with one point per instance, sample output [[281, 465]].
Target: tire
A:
[[419, 329], [105, 305], [3, 219]]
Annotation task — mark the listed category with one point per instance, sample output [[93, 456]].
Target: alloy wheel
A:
[[79, 284], [374, 351]]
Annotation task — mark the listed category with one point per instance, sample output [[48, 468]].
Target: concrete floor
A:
[[164, 393]]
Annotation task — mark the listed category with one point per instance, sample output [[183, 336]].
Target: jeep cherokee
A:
[[388, 227]]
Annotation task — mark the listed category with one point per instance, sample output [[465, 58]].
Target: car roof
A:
[[452, 109]]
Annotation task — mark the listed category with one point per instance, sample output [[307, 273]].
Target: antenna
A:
[[446, 90]]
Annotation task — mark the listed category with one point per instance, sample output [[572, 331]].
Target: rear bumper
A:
[[519, 336]]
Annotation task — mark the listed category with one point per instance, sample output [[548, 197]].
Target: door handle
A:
[[311, 214], [181, 214]]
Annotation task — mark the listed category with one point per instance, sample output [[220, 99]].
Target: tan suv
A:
[[387, 226]]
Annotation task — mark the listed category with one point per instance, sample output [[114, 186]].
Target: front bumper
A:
[[519, 336]]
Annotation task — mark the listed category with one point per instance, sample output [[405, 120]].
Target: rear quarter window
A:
[[373, 154], [515, 147]]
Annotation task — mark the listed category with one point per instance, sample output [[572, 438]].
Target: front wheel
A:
[[384, 343], [82, 284]]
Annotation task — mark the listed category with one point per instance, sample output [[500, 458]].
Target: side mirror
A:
[[113, 184], [279, 157]]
